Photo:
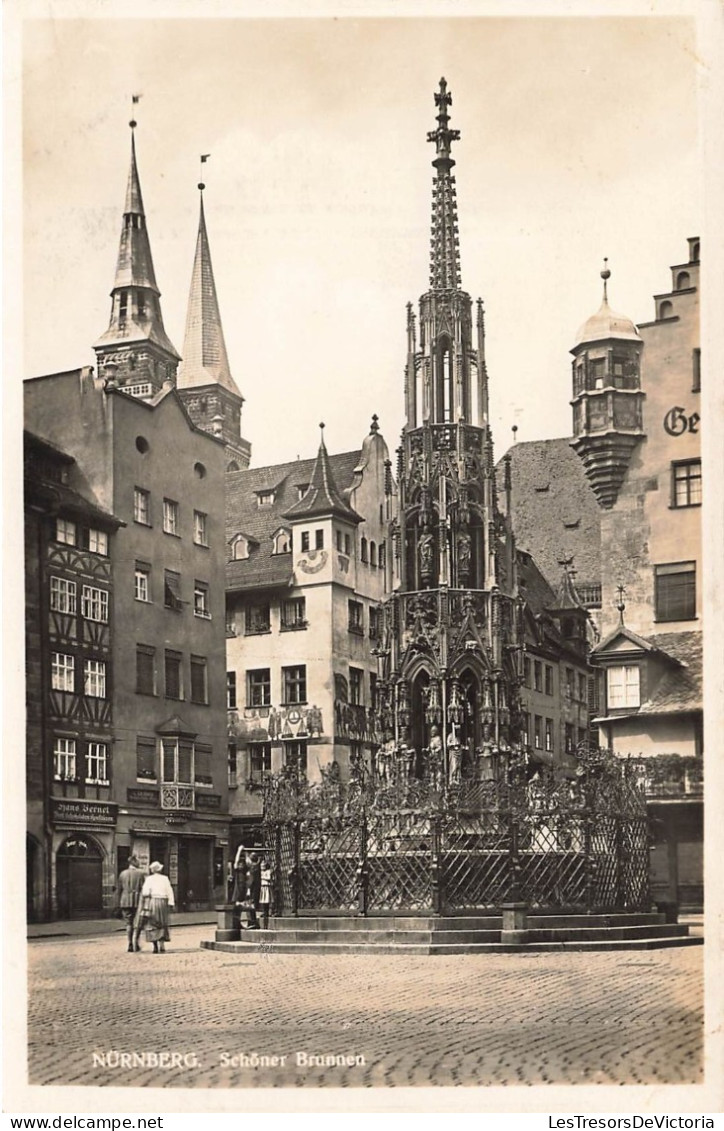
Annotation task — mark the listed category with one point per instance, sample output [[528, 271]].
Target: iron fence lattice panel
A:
[[475, 862], [330, 855], [399, 861]]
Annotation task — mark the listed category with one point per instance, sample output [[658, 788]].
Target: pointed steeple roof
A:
[[136, 314], [444, 238], [205, 361], [322, 497], [566, 596]]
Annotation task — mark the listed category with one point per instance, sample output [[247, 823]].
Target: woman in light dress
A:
[[153, 907]]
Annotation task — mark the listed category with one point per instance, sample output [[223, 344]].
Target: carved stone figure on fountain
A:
[[426, 553], [464, 558], [455, 754], [435, 758], [385, 759]]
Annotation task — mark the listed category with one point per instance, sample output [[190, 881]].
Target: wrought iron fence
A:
[[416, 847]]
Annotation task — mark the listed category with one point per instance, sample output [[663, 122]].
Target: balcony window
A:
[[177, 761]]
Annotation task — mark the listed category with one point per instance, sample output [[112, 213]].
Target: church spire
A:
[[205, 384], [444, 242], [135, 349], [205, 360]]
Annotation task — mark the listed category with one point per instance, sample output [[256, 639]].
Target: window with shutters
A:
[[177, 761], [145, 669], [623, 686], [146, 767], [202, 764], [199, 680], [675, 586], [172, 675], [172, 590]]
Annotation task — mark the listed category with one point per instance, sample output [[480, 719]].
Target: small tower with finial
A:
[[607, 397]]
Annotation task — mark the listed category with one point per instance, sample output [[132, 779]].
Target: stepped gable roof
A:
[[555, 514], [680, 689], [263, 568]]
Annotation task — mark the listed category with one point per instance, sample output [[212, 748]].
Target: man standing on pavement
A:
[[131, 881]]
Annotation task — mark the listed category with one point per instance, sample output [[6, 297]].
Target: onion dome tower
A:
[[207, 388], [607, 397], [135, 352], [451, 671]]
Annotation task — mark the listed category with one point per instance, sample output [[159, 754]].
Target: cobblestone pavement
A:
[[602, 1018]]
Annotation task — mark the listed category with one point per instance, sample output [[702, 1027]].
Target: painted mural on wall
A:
[[277, 724]]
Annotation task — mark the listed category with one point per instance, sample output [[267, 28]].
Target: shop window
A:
[[675, 585]]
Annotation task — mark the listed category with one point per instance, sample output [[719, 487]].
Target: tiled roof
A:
[[555, 515], [322, 496], [680, 688], [244, 515]]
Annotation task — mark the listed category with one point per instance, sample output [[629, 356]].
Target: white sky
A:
[[579, 140]]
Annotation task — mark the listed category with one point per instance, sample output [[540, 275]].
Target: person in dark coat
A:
[[130, 882]]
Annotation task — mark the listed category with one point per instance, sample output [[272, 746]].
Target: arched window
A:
[[666, 309], [239, 548], [683, 280], [232, 466], [282, 541]]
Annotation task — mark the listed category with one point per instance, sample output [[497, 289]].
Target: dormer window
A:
[[265, 498], [623, 686], [302, 489], [239, 548], [282, 542]]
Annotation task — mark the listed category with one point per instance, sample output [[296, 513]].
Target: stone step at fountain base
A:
[[470, 934]]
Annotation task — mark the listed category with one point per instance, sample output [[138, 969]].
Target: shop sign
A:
[[208, 801], [72, 811], [677, 422], [142, 796]]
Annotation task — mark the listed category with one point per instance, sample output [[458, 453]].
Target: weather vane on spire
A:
[[442, 136], [202, 161], [134, 102]]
